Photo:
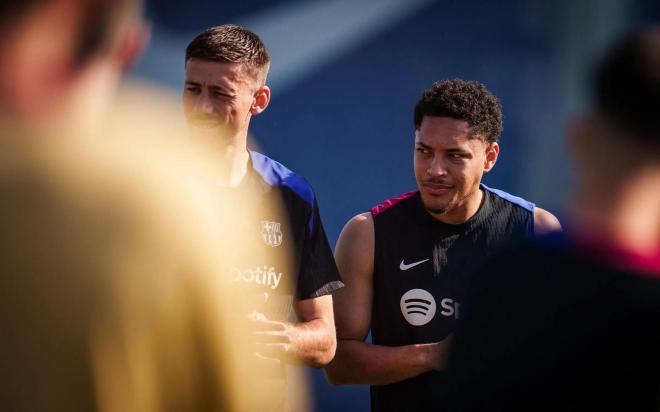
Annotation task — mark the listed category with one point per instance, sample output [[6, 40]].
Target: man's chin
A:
[[435, 208], [218, 133]]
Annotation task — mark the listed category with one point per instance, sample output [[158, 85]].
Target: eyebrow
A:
[[449, 150], [212, 88], [457, 150], [222, 89]]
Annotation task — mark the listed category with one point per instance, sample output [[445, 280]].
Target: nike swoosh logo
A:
[[404, 266]]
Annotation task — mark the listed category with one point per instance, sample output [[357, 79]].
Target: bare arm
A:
[[356, 361], [545, 222], [311, 342], [316, 341]]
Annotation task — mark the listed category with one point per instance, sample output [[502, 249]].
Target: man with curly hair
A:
[[403, 262]]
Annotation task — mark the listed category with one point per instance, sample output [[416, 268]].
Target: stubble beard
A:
[[437, 209]]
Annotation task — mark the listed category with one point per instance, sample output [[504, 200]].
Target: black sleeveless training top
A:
[[419, 266]]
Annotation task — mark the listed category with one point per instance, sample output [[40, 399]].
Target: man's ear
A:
[[261, 100], [492, 151], [134, 42]]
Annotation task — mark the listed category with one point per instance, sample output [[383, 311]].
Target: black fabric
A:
[[405, 234], [546, 328], [318, 273], [289, 259], [300, 257]]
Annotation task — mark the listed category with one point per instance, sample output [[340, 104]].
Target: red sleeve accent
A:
[[391, 202]]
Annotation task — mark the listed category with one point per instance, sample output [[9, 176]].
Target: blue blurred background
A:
[[346, 74]]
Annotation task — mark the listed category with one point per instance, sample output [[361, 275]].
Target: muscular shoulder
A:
[[355, 247], [545, 222], [359, 229]]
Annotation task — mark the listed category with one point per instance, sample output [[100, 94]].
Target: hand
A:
[[258, 325], [273, 340]]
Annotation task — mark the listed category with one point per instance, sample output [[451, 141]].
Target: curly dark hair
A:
[[230, 43], [463, 100]]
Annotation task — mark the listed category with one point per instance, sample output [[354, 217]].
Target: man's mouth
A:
[[204, 122], [437, 188]]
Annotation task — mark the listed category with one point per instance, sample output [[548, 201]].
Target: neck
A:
[[230, 153], [235, 159], [623, 212]]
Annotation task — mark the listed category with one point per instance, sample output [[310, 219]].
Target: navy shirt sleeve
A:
[[318, 271], [315, 264]]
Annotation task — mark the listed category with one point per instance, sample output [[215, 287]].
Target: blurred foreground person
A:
[[115, 289], [62, 62], [117, 292], [572, 321]]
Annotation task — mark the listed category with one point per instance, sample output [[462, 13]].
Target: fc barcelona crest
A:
[[271, 233]]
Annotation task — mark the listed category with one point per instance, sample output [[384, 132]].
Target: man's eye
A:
[[422, 150], [192, 89]]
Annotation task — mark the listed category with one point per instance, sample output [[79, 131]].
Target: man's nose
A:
[[203, 104], [436, 167]]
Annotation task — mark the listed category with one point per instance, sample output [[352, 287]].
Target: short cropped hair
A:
[[465, 100], [626, 88], [231, 43]]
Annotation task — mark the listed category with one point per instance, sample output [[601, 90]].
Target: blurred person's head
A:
[[115, 286], [457, 126], [225, 85], [62, 60], [617, 145], [623, 129]]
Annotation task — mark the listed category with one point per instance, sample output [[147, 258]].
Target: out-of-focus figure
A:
[[62, 61], [115, 288], [571, 321], [117, 292]]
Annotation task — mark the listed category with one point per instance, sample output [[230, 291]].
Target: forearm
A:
[[358, 362], [313, 343]]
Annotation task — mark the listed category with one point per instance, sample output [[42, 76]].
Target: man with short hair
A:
[[403, 262], [226, 70], [571, 321]]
